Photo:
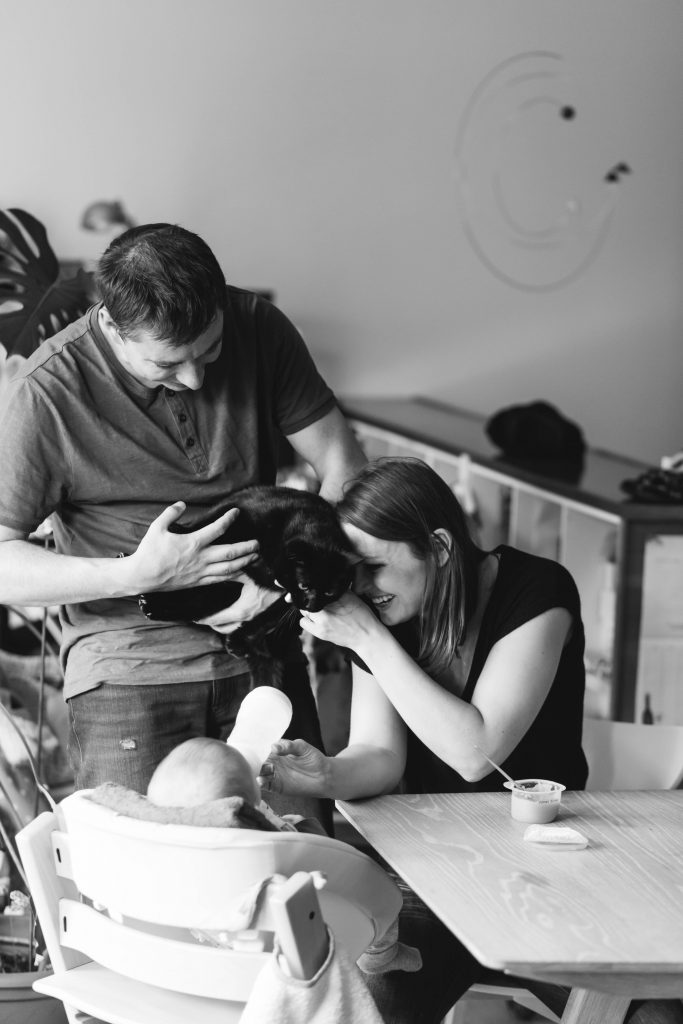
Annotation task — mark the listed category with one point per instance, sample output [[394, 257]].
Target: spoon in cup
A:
[[497, 767]]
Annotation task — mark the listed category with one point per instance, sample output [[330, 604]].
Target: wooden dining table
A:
[[606, 920]]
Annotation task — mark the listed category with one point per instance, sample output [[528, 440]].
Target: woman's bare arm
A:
[[510, 691]]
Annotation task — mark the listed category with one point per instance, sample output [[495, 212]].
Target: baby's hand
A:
[[293, 819]]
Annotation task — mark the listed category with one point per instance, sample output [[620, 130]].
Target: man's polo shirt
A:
[[85, 442]]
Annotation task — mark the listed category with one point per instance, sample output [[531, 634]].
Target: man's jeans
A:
[[121, 733]]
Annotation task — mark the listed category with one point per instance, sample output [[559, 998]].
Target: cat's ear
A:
[[298, 551]]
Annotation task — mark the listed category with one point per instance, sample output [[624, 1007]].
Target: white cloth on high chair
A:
[[337, 994]]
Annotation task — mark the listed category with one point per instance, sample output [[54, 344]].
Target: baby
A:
[[201, 770]]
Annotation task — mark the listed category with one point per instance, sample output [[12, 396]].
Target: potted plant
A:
[[35, 303], [33, 730]]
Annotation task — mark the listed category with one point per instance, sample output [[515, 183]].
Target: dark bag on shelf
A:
[[536, 431]]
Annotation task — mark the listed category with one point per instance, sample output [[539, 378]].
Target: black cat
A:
[[301, 545]]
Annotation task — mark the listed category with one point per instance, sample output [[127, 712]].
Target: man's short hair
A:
[[162, 279]]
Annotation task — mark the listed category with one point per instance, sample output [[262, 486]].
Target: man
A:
[[169, 394]]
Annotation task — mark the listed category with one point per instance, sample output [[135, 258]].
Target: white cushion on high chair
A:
[[226, 812], [159, 873]]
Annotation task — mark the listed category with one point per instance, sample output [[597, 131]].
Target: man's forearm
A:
[[332, 485], [338, 473], [350, 460], [33, 575], [331, 448]]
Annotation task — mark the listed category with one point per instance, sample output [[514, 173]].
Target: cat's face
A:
[[314, 577]]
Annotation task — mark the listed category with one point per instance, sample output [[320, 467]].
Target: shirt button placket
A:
[[187, 439]]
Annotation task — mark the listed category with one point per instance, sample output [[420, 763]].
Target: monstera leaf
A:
[[34, 302]]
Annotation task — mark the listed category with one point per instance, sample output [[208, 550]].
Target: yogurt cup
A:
[[536, 801]]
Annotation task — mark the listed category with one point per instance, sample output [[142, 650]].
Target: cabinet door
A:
[[484, 499], [590, 552], [377, 443], [536, 525], [373, 443], [658, 697]]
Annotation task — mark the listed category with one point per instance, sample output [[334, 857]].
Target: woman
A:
[[457, 652]]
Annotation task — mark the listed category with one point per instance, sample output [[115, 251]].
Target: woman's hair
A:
[[403, 499], [162, 279]]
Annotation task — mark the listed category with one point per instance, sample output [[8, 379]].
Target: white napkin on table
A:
[[559, 836]]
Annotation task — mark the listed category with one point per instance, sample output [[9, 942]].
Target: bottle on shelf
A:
[[647, 718]]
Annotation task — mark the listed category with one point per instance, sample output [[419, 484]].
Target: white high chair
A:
[[117, 898]]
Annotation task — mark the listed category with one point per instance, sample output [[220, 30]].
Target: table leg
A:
[[584, 1007]]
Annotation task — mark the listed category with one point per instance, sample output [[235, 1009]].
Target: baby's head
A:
[[200, 770]]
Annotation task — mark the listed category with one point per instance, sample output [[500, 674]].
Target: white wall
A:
[[313, 144]]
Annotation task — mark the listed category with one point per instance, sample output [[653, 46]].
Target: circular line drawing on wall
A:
[[537, 195]]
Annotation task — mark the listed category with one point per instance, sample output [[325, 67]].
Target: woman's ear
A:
[[443, 542]]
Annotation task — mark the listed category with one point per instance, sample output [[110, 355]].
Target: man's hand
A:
[[171, 561], [252, 600]]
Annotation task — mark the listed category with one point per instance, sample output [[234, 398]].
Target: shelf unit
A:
[[626, 557]]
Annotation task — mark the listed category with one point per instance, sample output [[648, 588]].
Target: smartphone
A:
[[299, 925]]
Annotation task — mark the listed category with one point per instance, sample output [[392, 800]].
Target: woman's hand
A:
[[295, 767], [251, 602], [348, 622]]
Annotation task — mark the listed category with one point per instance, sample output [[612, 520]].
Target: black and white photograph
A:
[[341, 512]]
